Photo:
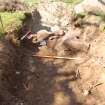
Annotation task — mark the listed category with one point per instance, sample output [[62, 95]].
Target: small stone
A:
[[17, 72], [43, 43], [86, 92]]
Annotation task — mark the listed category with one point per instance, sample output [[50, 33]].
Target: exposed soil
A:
[[12, 5], [28, 80]]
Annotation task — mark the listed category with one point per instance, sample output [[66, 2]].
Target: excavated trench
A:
[[29, 80]]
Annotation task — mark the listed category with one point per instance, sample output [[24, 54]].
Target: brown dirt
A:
[[28, 80], [12, 5]]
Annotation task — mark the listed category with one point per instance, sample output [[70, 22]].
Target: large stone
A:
[[90, 5], [55, 14]]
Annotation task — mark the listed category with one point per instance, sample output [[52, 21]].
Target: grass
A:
[[72, 1], [31, 2], [10, 20]]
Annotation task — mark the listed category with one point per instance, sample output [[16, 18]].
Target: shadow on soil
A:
[[26, 80], [19, 68], [45, 87]]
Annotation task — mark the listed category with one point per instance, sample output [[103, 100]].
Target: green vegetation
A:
[[31, 2], [72, 1], [10, 20]]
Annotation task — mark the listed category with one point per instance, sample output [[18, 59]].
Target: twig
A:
[[27, 87], [78, 74], [56, 57], [95, 86], [87, 92]]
